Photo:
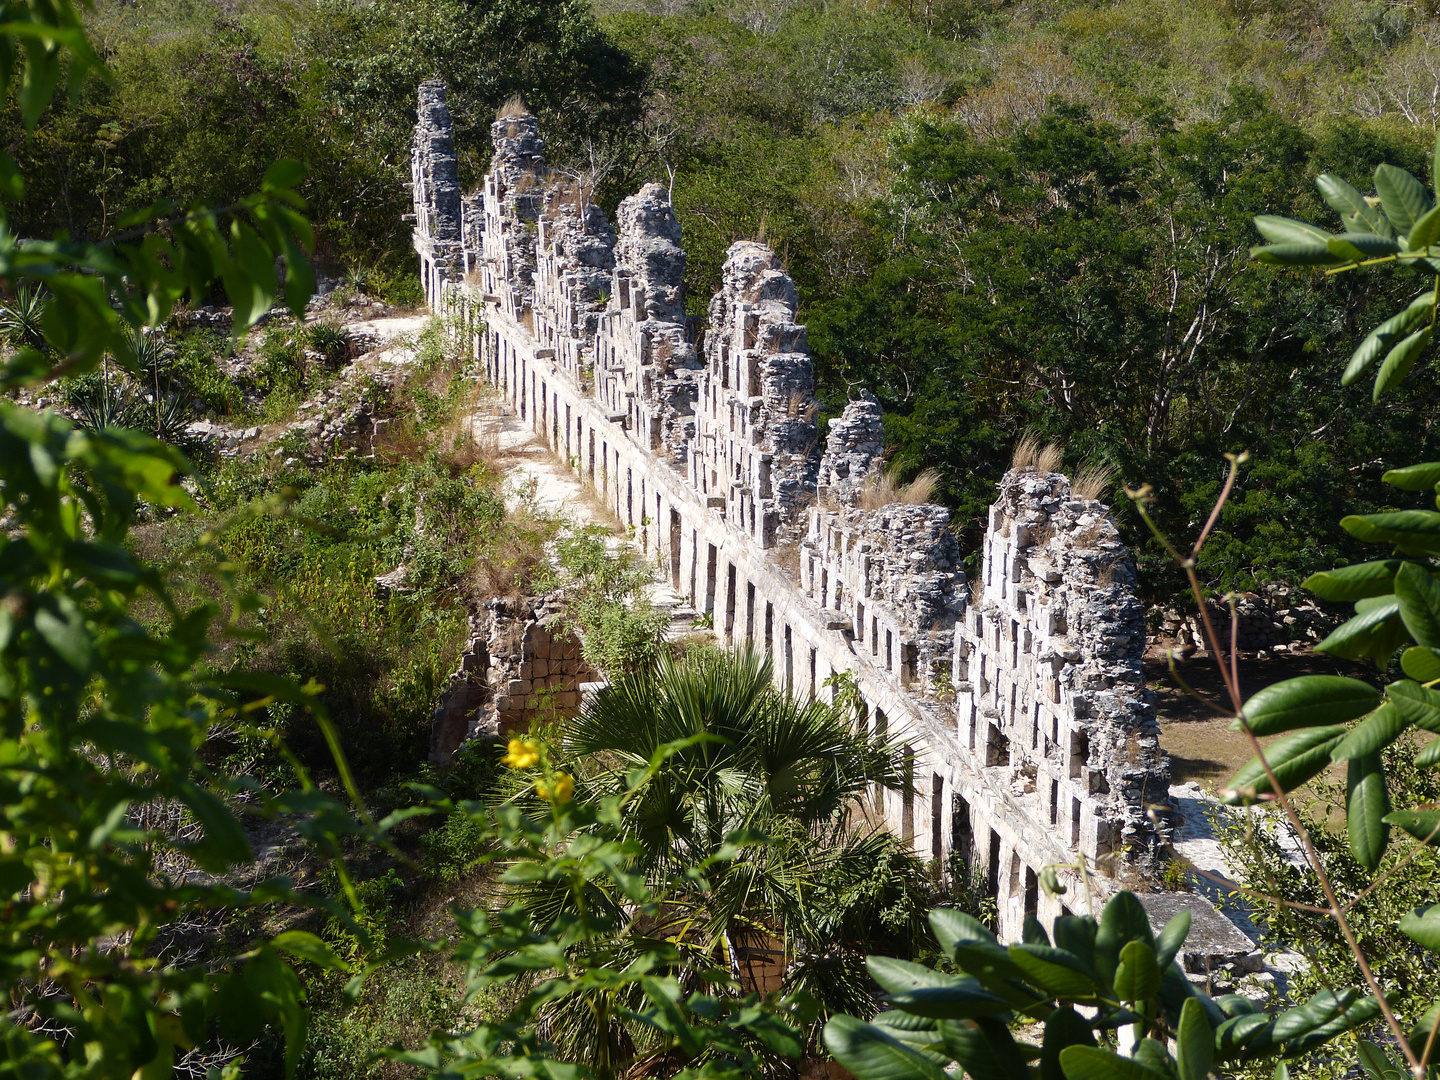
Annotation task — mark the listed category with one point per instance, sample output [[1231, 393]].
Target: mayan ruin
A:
[[1020, 696]]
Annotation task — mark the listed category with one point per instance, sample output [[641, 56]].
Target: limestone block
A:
[[527, 669], [540, 668], [517, 687]]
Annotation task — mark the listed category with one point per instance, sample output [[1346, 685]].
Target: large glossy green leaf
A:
[[1354, 210], [1418, 530], [1367, 801], [1419, 594], [1307, 701], [1076, 935], [1400, 360], [1137, 976], [985, 1047], [1359, 246], [898, 1020], [952, 925], [1234, 1034], [1307, 253], [1421, 477], [1355, 582], [1055, 971], [1283, 230], [1421, 664], [1428, 756], [1373, 734], [896, 976], [872, 1053], [1423, 926], [1383, 337], [1362, 1012], [1374, 633], [1377, 1063], [1294, 759], [1194, 1042], [949, 1002], [1423, 234], [1403, 198], [1063, 1028], [1123, 920], [1418, 704], [1092, 1063], [1423, 825], [1168, 944]]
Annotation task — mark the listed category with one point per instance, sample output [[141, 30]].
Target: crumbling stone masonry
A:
[[521, 660], [1019, 701]]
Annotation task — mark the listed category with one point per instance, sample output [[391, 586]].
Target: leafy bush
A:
[[1124, 977], [621, 632]]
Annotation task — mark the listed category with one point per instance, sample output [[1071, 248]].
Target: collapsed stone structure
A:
[[1020, 703]]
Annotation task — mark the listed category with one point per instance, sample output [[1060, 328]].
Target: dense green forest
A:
[[1000, 216]]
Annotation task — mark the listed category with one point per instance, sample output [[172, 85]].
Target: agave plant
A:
[[20, 320]]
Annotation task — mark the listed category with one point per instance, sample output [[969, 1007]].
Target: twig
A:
[[1230, 674], [1235, 886]]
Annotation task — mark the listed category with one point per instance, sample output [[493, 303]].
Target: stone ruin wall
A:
[[521, 660], [1048, 674], [1013, 708]]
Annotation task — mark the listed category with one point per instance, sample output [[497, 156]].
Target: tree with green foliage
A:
[[141, 930], [735, 756]]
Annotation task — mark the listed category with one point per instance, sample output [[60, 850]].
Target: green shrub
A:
[[453, 848]]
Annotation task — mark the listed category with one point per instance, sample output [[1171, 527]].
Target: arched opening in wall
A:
[[1032, 893], [694, 566], [937, 820], [997, 746], [882, 733], [812, 673], [1079, 752], [749, 613], [730, 603], [992, 868], [962, 835], [907, 797], [789, 661], [675, 540], [769, 628], [711, 556]]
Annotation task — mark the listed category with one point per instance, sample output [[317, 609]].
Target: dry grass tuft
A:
[[1092, 481], [1050, 459], [514, 106], [1030, 456], [884, 489]]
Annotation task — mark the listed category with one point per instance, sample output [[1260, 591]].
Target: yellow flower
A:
[[523, 754], [563, 791]]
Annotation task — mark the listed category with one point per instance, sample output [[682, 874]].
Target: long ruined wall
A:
[[1019, 698]]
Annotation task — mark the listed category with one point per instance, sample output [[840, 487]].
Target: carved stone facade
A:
[[1014, 709]]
